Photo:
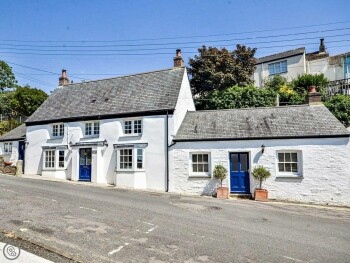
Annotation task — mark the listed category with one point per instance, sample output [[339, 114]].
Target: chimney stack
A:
[[322, 48], [178, 61], [63, 80], [313, 97]]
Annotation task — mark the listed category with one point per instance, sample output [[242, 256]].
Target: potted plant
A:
[[220, 173], [260, 173]]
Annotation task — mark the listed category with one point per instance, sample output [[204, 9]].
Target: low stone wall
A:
[[7, 169]]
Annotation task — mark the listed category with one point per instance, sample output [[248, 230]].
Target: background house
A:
[[12, 144]]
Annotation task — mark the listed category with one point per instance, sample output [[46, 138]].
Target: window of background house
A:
[[200, 162], [133, 127], [278, 67], [49, 158], [61, 159], [288, 162], [92, 128], [125, 159], [139, 158], [58, 130]]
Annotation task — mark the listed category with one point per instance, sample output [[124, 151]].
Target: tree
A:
[[7, 79], [260, 173], [220, 173], [218, 69], [25, 100], [339, 105]]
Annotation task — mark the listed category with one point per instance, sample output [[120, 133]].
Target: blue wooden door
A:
[[85, 165], [21, 150], [239, 173]]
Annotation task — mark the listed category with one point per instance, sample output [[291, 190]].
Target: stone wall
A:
[[7, 169]]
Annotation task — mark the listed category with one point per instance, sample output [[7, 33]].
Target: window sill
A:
[[54, 169], [206, 176], [289, 177], [131, 135], [130, 171], [91, 136]]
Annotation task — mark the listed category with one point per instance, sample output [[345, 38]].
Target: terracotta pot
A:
[[222, 193], [312, 89], [8, 163], [261, 195]]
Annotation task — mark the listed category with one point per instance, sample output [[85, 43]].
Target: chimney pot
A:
[[322, 48], [178, 61], [63, 80]]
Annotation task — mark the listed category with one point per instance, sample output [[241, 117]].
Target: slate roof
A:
[[261, 123], [286, 54], [16, 134], [145, 92]]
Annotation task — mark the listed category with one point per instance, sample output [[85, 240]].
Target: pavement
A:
[[106, 224]]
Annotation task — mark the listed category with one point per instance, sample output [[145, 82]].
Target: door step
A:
[[241, 196]]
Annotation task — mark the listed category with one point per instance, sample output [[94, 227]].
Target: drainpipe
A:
[[167, 152]]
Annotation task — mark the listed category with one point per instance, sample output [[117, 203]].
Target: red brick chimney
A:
[[178, 61], [313, 97], [63, 80]]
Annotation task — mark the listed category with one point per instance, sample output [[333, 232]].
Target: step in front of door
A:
[[241, 196]]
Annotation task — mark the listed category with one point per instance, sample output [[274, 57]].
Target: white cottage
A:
[[305, 148], [113, 131], [12, 144]]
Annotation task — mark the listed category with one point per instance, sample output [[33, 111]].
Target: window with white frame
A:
[[58, 130], [289, 163], [125, 159], [278, 67], [200, 163], [92, 128], [50, 159], [8, 147], [133, 126], [139, 159], [60, 159]]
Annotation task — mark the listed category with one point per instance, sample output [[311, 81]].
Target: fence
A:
[[341, 86]]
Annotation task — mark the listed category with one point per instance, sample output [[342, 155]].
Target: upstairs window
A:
[[8, 147], [278, 67], [133, 127], [58, 130], [92, 128]]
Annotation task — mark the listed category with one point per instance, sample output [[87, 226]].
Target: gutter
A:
[[167, 152]]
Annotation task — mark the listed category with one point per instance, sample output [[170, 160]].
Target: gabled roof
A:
[[16, 134], [149, 92], [277, 56], [261, 123]]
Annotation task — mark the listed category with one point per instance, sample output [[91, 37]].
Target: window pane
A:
[[206, 168], [139, 158], [200, 168], [200, 158], [288, 167], [288, 158], [294, 157], [281, 167], [281, 157], [294, 167], [194, 158], [244, 162], [205, 158], [234, 160], [194, 168]]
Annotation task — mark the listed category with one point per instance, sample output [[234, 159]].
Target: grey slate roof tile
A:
[[151, 91], [259, 123], [286, 54], [15, 134]]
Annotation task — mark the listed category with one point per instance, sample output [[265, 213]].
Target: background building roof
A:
[[260, 123], [277, 56], [16, 134], [144, 92]]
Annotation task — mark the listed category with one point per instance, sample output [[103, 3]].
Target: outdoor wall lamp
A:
[[70, 144], [105, 143], [262, 148]]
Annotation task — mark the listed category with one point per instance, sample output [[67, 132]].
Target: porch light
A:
[[70, 144], [105, 143], [262, 148]]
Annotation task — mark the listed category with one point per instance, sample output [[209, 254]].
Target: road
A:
[[105, 224]]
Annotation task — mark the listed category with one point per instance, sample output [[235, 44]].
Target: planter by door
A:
[[239, 173], [85, 164]]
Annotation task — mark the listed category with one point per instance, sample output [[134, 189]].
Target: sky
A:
[[95, 39]]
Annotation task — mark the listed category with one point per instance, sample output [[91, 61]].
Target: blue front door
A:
[[239, 172], [85, 165]]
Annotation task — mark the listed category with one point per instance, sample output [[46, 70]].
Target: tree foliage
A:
[[7, 78], [260, 173], [215, 69], [339, 105], [220, 173]]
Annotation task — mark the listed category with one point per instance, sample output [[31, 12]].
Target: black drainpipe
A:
[[167, 152]]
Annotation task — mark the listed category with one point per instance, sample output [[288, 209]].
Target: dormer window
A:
[[133, 127], [92, 128], [58, 130]]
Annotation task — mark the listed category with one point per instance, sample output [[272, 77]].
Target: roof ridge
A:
[[118, 77], [255, 108]]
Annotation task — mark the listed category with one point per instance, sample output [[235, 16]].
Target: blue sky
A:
[[88, 37]]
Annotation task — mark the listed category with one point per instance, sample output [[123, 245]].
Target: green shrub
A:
[[339, 105], [260, 173], [220, 173]]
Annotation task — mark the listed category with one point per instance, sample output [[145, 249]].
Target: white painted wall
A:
[[325, 168], [13, 156], [295, 66], [331, 71]]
